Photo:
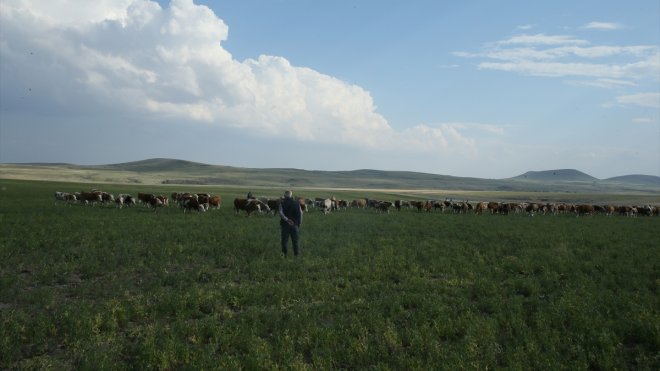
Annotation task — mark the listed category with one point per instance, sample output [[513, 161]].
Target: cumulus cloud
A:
[[136, 58]]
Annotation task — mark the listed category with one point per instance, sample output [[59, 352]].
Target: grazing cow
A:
[[626, 210], [156, 202], [360, 203], [645, 210], [481, 206], [461, 207], [91, 197], [145, 198], [66, 197], [215, 202], [164, 200], [397, 205], [584, 210], [124, 199], [326, 205], [438, 205], [383, 207], [249, 205], [107, 197], [303, 204], [274, 204], [428, 206], [609, 210], [204, 199], [193, 204], [419, 205], [532, 208], [506, 208], [494, 207]]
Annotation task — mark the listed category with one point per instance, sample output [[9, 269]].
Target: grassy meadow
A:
[[86, 287]]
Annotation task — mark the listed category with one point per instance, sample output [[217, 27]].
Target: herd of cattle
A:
[[201, 202]]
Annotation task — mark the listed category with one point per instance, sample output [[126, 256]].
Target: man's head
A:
[[288, 194]]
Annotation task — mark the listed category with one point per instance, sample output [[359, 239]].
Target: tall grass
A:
[[102, 288]]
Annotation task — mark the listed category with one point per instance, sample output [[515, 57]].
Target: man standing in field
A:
[[290, 220]]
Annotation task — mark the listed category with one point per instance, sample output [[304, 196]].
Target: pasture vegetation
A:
[[102, 288]]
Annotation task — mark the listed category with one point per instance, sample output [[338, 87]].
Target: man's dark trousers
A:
[[289, 231]]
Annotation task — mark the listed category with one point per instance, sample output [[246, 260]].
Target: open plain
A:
[[141, 288]]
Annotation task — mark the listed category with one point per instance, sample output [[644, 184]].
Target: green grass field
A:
[[101, 288]]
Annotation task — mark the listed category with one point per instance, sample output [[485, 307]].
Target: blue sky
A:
[[468, 88]]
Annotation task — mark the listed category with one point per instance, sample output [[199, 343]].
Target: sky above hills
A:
[[487, 89]]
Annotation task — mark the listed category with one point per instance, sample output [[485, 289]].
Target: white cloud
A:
[[525, 27], [643, 120], [542, 39], [133, 57], [604, 83], [603, 26], [650, 100], [564, 55], [444, 138]]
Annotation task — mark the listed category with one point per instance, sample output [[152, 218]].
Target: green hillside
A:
[[560, 175], [172, 171], [636, 179]]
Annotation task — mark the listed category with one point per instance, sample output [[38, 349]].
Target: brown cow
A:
[[494, 207], [481, 206], [215, 202], [249, 205], [145, 198], [359, 203], [584, 210], [303, 204], [91, 197]]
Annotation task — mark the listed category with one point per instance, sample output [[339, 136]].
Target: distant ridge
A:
[[182, 172], [636, 179], [559, 175], [157, 165]]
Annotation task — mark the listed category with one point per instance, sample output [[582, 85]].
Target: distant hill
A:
[[635, 179], [180, 172], [560, 175], [158, 165]]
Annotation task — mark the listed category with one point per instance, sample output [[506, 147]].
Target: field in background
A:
[[173, 172], [98, 287]]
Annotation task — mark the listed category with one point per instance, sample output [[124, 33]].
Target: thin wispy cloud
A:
[[643, 120], [447, 65], [525, 27], [649, 100], [542, 39], [568, 56], [606, 26], [604, 83]]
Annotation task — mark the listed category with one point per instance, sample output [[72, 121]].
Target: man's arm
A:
[[281, 212]]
